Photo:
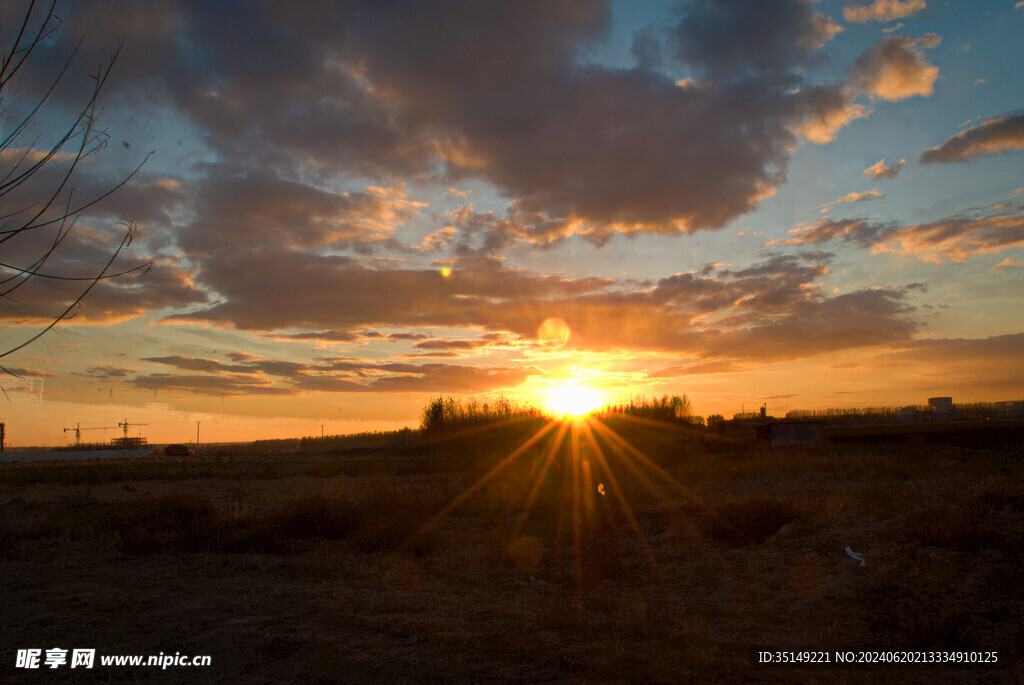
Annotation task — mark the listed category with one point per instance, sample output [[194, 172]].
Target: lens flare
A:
[[553, 333]]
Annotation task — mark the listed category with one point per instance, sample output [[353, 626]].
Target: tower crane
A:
[[78, 431], [124, 425]]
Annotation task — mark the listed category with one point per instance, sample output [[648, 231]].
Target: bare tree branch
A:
[[36, 190]]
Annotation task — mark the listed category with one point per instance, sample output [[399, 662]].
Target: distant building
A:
[[942, 408], [1008, 410], [793, 433], [911, 415]]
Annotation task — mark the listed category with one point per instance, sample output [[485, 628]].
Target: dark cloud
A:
[[160, 286], [437, 344], [861, 232], [956, 238], [877, 316], [688, 312], [493, 91], [276, 377], [733, 38], [998, 134], [262, 209], [647, 49], [216, 385], [324, 336], [194, 364]]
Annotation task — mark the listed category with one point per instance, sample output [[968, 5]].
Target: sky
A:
[[351, 208]]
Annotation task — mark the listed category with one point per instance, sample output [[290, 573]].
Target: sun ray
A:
[[577, 513], [612, 436], [528, 507], [483, 480], [660, 494], [617, 491]]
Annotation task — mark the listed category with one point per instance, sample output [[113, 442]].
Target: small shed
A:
[[794, 433]]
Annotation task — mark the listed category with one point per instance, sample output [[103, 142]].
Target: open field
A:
[[327, 568]]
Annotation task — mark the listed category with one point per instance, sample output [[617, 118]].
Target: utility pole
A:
[[3, 429], [321, 431], [197, 438]]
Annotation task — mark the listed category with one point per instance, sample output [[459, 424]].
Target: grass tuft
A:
[[749, 521]]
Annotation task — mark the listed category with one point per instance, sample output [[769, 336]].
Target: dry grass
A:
[[322, 569]]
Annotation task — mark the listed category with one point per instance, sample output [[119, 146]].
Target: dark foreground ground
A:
[[292, 569]]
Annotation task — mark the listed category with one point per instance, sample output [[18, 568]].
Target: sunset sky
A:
[[354, 207]]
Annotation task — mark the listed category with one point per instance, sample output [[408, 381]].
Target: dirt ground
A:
[[742, 550]]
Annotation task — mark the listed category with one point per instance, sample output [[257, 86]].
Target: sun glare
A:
[[574, 401]]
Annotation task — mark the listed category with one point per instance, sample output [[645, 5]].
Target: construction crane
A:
[[78, 431], [124, 425]]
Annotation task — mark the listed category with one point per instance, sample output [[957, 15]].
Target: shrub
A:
[[179, 522], [749, 521], [401, 528], [318, 516]]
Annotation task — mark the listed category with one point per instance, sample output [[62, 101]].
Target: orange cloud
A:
[[852, 197], [1007, 263], [882, 10], [881, 170], [955, 239], [998, 134], [895, 69]]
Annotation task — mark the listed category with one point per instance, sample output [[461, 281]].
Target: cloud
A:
[[998, 134], [727, 40], [1007, 263], [259, 208], [162, 285], [211, 385], [858, 231], [864, 318], [956, 238], [824, 110], [895, 69], [881, 170], [507, 97], [698, 369], [276, 377], [195, 364], [698, 311], [439, 239], [646, 49], [853, 196], [999, 350], [437, 344], [882, 10]]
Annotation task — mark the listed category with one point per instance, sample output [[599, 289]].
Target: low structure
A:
[[793, 433], [942, 408]]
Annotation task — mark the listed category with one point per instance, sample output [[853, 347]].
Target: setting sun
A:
[[574, 401]]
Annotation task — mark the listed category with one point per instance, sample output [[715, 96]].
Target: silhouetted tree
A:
[[39, 161]]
